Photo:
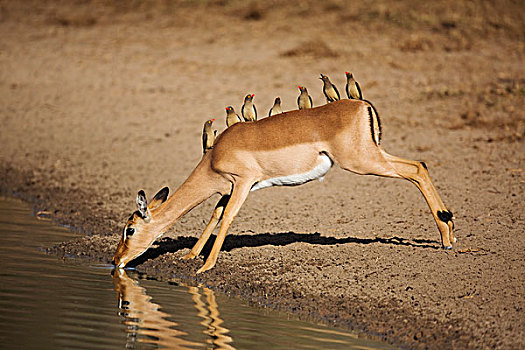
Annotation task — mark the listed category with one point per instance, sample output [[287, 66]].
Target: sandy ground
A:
[[101, 99]]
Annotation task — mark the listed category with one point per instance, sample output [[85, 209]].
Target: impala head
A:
[[140, 231]]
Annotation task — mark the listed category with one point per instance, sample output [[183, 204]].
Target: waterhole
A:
[[50, 303]]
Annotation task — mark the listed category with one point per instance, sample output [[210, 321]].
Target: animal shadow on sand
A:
[[171, 245]]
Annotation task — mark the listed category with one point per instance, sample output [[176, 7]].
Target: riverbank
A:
[[99, 102]]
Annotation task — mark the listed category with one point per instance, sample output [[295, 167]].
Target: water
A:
[[49, 303]]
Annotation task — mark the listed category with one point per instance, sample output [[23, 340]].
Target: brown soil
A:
[[100, 99]]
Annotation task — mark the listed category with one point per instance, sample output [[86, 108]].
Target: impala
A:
[[287, 149]]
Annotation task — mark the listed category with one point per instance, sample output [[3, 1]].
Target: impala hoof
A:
[[205, 268], [448, 247], [189, 256]]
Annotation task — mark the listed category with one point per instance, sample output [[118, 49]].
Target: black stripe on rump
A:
[[378, 121], [371, 118]]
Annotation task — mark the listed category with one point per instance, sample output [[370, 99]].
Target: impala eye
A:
[[130, 231]]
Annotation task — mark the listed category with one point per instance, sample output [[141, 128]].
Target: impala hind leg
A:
[[417, 173], [215, 219], [381, 163], [237, 198]]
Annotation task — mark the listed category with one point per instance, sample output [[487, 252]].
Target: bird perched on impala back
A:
[[208, 136], [248, 111], [231, 116], [276, 108], [329, 90], [304, 101], [353, 91]]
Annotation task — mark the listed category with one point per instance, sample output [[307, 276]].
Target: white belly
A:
[[318, 172]]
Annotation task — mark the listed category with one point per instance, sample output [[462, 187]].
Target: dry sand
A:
[[101, 99]]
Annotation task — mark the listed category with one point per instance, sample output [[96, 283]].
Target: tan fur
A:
[[283, 145]]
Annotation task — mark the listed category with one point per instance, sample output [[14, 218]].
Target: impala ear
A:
[[159, 198], [143, 205]]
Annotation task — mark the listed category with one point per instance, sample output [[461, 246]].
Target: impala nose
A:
[[115, 262], [118, 264]]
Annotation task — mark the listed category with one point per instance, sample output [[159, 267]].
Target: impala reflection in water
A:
[[146, 323], [209, 312]]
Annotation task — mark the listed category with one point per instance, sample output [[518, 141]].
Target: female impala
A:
[[287, 149]]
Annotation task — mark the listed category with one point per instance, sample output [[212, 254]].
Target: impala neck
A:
[[199, 186]]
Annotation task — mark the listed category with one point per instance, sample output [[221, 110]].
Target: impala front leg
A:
[[215, 218], [238, 196]]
